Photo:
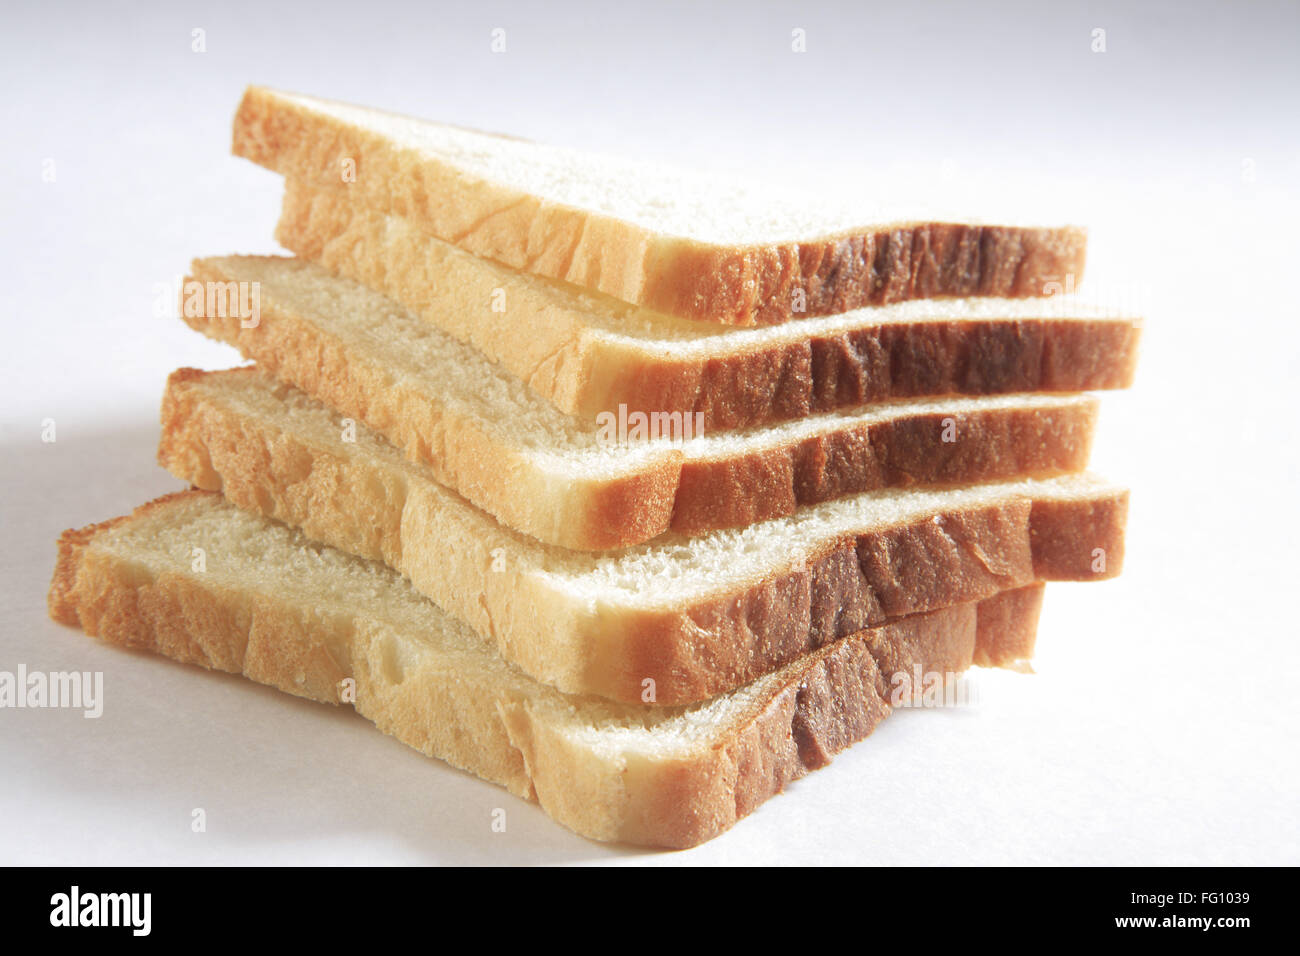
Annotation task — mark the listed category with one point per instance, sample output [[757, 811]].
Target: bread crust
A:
[[1008, 629], [499, 583], [584, 372], [813, 709], [649, 496], [730, 284], [903, 452]]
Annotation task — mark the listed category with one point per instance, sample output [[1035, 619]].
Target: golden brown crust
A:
[[830, 701], [820, 373], [1079, 540], [735, 285], [988, 445], [72, 544], [751, 285], [693, 650], [812, 710], [1008, 629], [714, 645], [584, 373]]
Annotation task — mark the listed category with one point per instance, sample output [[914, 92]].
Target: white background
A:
[[1161, 725]]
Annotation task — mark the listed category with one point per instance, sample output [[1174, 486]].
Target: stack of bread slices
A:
[[633, 491]]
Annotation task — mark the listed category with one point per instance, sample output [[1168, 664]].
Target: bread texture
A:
[[308, 620], [587, 354], [695, 247], [690, 617], [596, 485]]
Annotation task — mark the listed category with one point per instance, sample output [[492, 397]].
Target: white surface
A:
[[1161, 727]]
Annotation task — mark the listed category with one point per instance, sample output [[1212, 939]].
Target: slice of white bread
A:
[[583, 484], [304, 618], [587, 354], [700, 247], [692, 616]]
